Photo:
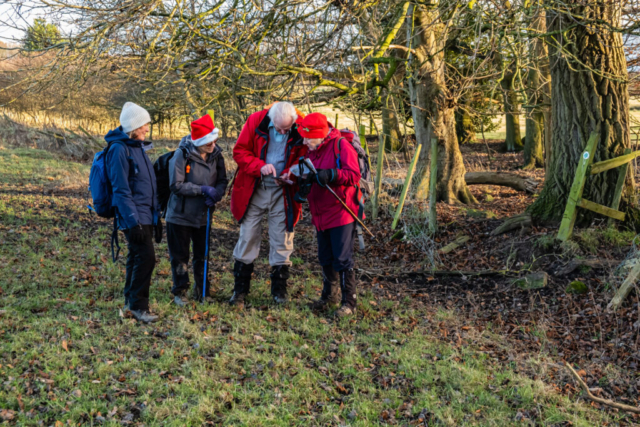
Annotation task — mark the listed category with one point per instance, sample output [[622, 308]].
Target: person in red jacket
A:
[[337, 167], [268, 145]]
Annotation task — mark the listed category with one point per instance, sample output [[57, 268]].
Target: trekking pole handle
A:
[[309, 164]]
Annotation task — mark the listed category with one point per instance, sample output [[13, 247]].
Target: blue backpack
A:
[[102, 193]]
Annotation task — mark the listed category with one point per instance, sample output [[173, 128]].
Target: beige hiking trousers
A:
[[270, 201]]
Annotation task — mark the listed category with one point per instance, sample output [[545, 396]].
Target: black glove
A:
[[212, 193], [157, 231], [136, 234], [304, 189], [326, 176]]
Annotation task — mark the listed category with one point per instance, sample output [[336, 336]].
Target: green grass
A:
[[67, 356]]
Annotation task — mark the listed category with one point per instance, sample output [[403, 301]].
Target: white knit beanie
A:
[[133, 117]]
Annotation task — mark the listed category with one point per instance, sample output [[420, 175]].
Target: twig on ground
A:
[[607, 402]]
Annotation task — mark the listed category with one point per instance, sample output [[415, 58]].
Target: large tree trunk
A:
[[390, 126], [534, 137], [432, 108], [589, 93], [513, 140]]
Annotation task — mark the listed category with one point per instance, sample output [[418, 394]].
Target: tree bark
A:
[[534, 137], [390, 125], [432, 108], [589, 93], [513, 140]]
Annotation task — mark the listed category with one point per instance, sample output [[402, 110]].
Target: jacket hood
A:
[[187, 143], [333, 134], [118, 135]]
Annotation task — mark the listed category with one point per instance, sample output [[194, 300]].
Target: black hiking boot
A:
[[242, 283], [279, 276]]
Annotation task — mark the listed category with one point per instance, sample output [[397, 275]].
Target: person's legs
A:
[[129, 273], [248, 247], [342, 243], [280, 240], [143, 264], [280, 245], [199, 242], [178, 238], [330, 279]]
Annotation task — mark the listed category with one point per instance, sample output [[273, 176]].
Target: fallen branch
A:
[[607, 402], [454, 245], [624, 290], [462, 273], [501, 178], [592, 263], [522, 221]]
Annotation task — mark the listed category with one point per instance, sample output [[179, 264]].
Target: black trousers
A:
[[335, 247], [179, 238], [140, 264]]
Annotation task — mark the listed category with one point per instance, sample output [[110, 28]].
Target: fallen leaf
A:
[[65, 345]]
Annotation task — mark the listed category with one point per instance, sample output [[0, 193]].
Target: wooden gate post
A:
[[575, 195]]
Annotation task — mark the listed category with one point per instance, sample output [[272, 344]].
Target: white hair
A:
[[282, 111]]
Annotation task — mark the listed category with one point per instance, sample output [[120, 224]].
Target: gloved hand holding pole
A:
[[308, 163]]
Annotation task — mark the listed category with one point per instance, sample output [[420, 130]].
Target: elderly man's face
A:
[[283, 126]]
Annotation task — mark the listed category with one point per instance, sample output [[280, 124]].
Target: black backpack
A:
[[161, 167]]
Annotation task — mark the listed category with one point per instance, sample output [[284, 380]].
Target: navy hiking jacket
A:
[[133, 181]]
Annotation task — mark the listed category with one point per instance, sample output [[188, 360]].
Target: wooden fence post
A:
[[617, 195], [405, 188], [378, 183], [575, 195], [433, 180]]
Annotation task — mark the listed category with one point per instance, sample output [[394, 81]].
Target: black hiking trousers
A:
[[140, 264], [179, 238]]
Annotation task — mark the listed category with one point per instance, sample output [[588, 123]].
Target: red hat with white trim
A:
[[203, 131]]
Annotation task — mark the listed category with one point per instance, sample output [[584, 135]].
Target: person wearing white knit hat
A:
[[133, 183], [133, 117]]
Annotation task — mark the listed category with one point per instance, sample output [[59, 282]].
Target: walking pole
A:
[[206, 261], [344, 205]]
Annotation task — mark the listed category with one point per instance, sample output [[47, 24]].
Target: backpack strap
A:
[[185, 155], [114, 240], [336, 150]]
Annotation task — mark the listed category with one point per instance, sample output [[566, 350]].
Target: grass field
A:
[[68, 357]]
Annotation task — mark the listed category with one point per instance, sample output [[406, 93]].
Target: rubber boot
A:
[[279, 276], [242, 282]]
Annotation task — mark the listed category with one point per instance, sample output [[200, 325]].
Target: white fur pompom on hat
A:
[[133, 117]]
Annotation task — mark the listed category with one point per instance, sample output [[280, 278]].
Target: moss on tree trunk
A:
[[589, 93], [432, 108]]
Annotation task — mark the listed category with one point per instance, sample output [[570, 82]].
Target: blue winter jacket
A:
[[133, 181]]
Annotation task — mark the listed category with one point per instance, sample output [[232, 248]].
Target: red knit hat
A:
[[314, 125], [203, 131]]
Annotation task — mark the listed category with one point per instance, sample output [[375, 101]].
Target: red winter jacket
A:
[[326, 211], [249, 153]]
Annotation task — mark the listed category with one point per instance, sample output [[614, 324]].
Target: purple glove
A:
[[212, 193], [209, 201]]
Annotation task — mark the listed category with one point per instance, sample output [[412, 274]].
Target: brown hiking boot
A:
[[345, 311]]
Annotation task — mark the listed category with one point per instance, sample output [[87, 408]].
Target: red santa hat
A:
[[203, 131]]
